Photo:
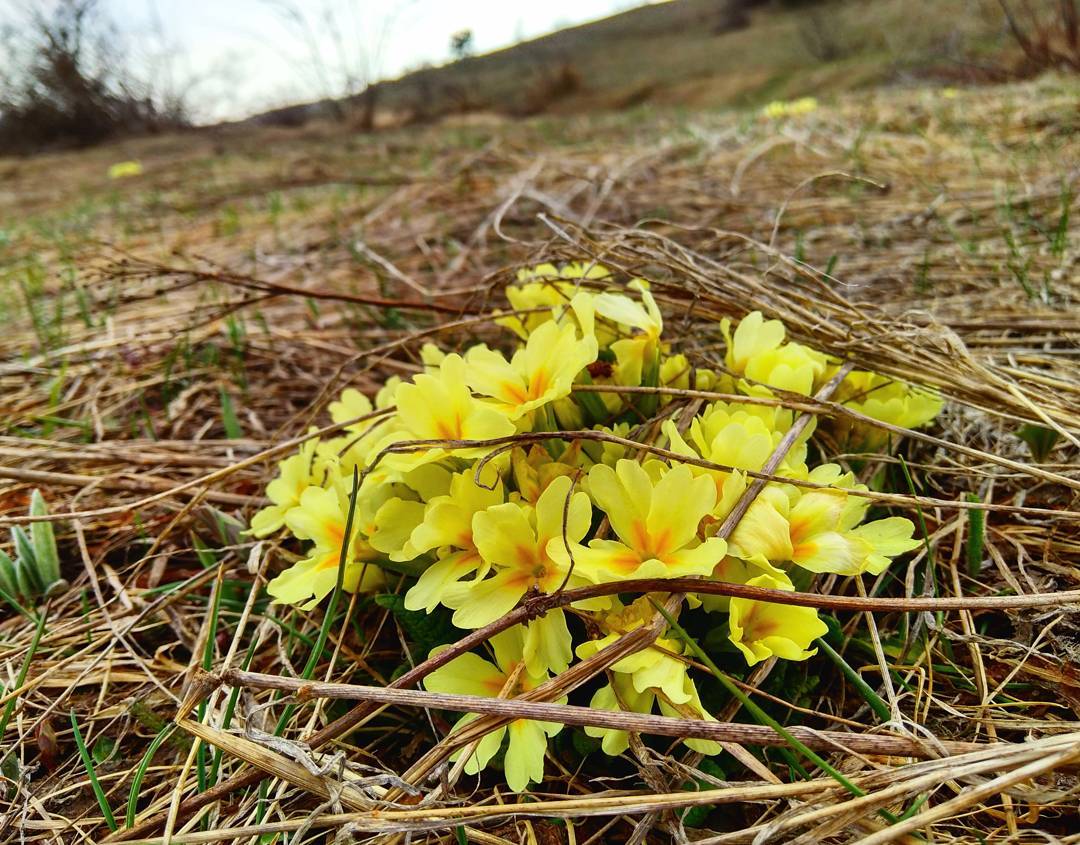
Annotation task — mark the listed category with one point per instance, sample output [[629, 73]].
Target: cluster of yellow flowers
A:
[[790, 108], [482, 519]]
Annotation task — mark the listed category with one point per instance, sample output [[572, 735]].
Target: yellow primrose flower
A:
[[763, 535], [654, 675], [883, 399], [792, 108], [360, 441], [524, 546], [539, 373], [763, 629], [320, 517], [387, 513], [534, 470], [439, 406], [125, 170], [757, 351], [386, 395], [792, 367], [753, 337], [676, 371], [526, 549], [549, 288], [471, 674], [816, 529], [447, 526], [640, 350], [655, 512], [351, 404], [295, 474], [741, 441]]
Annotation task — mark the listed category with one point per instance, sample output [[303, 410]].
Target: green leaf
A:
[[8, 581], [24, 548], [103, 749], [203, 552], [140, 773], [427, 630], [44, 542], [1040, 441], [29, 589]]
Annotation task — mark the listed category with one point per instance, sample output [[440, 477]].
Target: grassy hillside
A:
[[703, 53]]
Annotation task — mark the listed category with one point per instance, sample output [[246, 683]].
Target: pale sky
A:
[[249, 58]]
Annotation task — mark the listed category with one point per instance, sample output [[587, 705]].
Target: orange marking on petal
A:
[[515, 392], [329, 560], [449, 429], [494, 684], [539, 383]]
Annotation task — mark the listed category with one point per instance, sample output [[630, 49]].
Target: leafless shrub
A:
[[821, 36], [342, 44], [551, 84], [1048, 37]]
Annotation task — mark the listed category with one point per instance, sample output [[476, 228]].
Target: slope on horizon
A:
[[701, 53]]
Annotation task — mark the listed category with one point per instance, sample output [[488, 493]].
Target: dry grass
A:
[[275, 268]]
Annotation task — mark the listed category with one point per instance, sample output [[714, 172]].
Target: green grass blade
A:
[[88, 763], [976, 535], [233, 429], [140, 773], [20, 679], [865, 690]]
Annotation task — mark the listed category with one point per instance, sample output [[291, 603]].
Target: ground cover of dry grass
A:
[[167, 336]]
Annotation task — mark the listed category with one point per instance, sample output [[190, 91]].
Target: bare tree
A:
[[344, 42]]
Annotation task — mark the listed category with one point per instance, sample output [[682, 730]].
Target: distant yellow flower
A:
[[125, 170], [761, 629], [793, 108], [471, 674], [949, 93], [655, 513], [538, 374]]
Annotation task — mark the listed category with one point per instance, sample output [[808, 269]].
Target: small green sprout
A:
[[34, 573]]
